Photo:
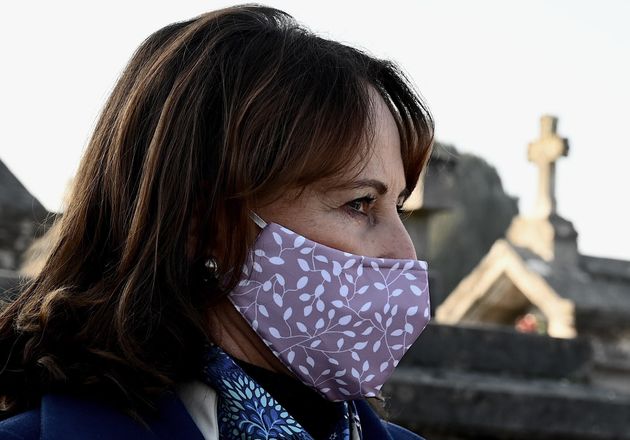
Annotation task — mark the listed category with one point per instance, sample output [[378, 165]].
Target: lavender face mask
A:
[[340, 322]]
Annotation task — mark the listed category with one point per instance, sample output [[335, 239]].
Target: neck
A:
[[230, 331]]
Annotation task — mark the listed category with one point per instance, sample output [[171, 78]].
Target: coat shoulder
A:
[[65, 417], [400, 433], [378, 428], [23, 426]]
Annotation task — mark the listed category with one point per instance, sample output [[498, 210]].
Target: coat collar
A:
[[63, 416], [375, 428]]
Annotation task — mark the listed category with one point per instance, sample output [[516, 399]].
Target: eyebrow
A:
[[379, 186]]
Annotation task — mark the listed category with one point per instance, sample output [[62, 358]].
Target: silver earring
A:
[[211, 264], [211, 270]]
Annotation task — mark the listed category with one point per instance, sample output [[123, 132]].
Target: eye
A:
[[361, 206]]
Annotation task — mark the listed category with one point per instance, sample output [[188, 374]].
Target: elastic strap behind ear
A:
[[259, 221]]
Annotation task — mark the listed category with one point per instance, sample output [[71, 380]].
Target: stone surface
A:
[[552, 238], [544, 152], [455, 232], [499, 351], [493, 383], [506, 284], [540, 268], [446, 405], [543, 231], [573, 299], [609, 269], [22, 218]]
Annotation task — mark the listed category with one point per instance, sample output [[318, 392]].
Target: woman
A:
[[231, 263]]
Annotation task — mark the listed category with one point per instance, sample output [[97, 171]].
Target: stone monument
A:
[[481, 370], [538, 270], [544, 232]]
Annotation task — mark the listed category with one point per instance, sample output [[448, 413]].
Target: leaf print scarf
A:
[[245, 411]]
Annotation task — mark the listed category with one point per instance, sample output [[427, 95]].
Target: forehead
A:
[[385, 163]]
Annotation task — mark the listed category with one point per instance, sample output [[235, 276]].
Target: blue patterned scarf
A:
[[245, 411]]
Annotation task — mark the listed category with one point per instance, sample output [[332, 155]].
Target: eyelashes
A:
[[355, 206]]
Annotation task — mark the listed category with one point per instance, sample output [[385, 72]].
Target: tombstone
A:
[[537, 268], [458, 191]]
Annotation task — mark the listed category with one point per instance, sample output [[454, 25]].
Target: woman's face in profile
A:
[[361, 219]]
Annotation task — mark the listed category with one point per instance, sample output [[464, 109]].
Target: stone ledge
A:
[[501, 352], [443, 405]]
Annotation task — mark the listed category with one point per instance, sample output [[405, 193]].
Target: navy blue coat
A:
[[64, 417]]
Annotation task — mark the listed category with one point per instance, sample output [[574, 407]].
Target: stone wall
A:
[[494, 383], [477, 213], [22, 219]]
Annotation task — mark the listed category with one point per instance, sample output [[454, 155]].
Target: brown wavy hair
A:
[[210, 117]]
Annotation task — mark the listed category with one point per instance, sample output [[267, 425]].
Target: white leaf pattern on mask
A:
[[324, 314]]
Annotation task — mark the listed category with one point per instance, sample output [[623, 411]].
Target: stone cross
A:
[[545, 152]]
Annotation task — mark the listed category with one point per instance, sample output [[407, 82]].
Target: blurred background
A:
[[523, 213]]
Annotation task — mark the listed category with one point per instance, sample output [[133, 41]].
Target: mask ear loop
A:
[[259, 221]]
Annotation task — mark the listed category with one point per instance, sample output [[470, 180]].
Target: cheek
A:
[[346, 235], [324, 222]]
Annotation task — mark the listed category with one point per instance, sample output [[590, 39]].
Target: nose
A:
[[396, 242]]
